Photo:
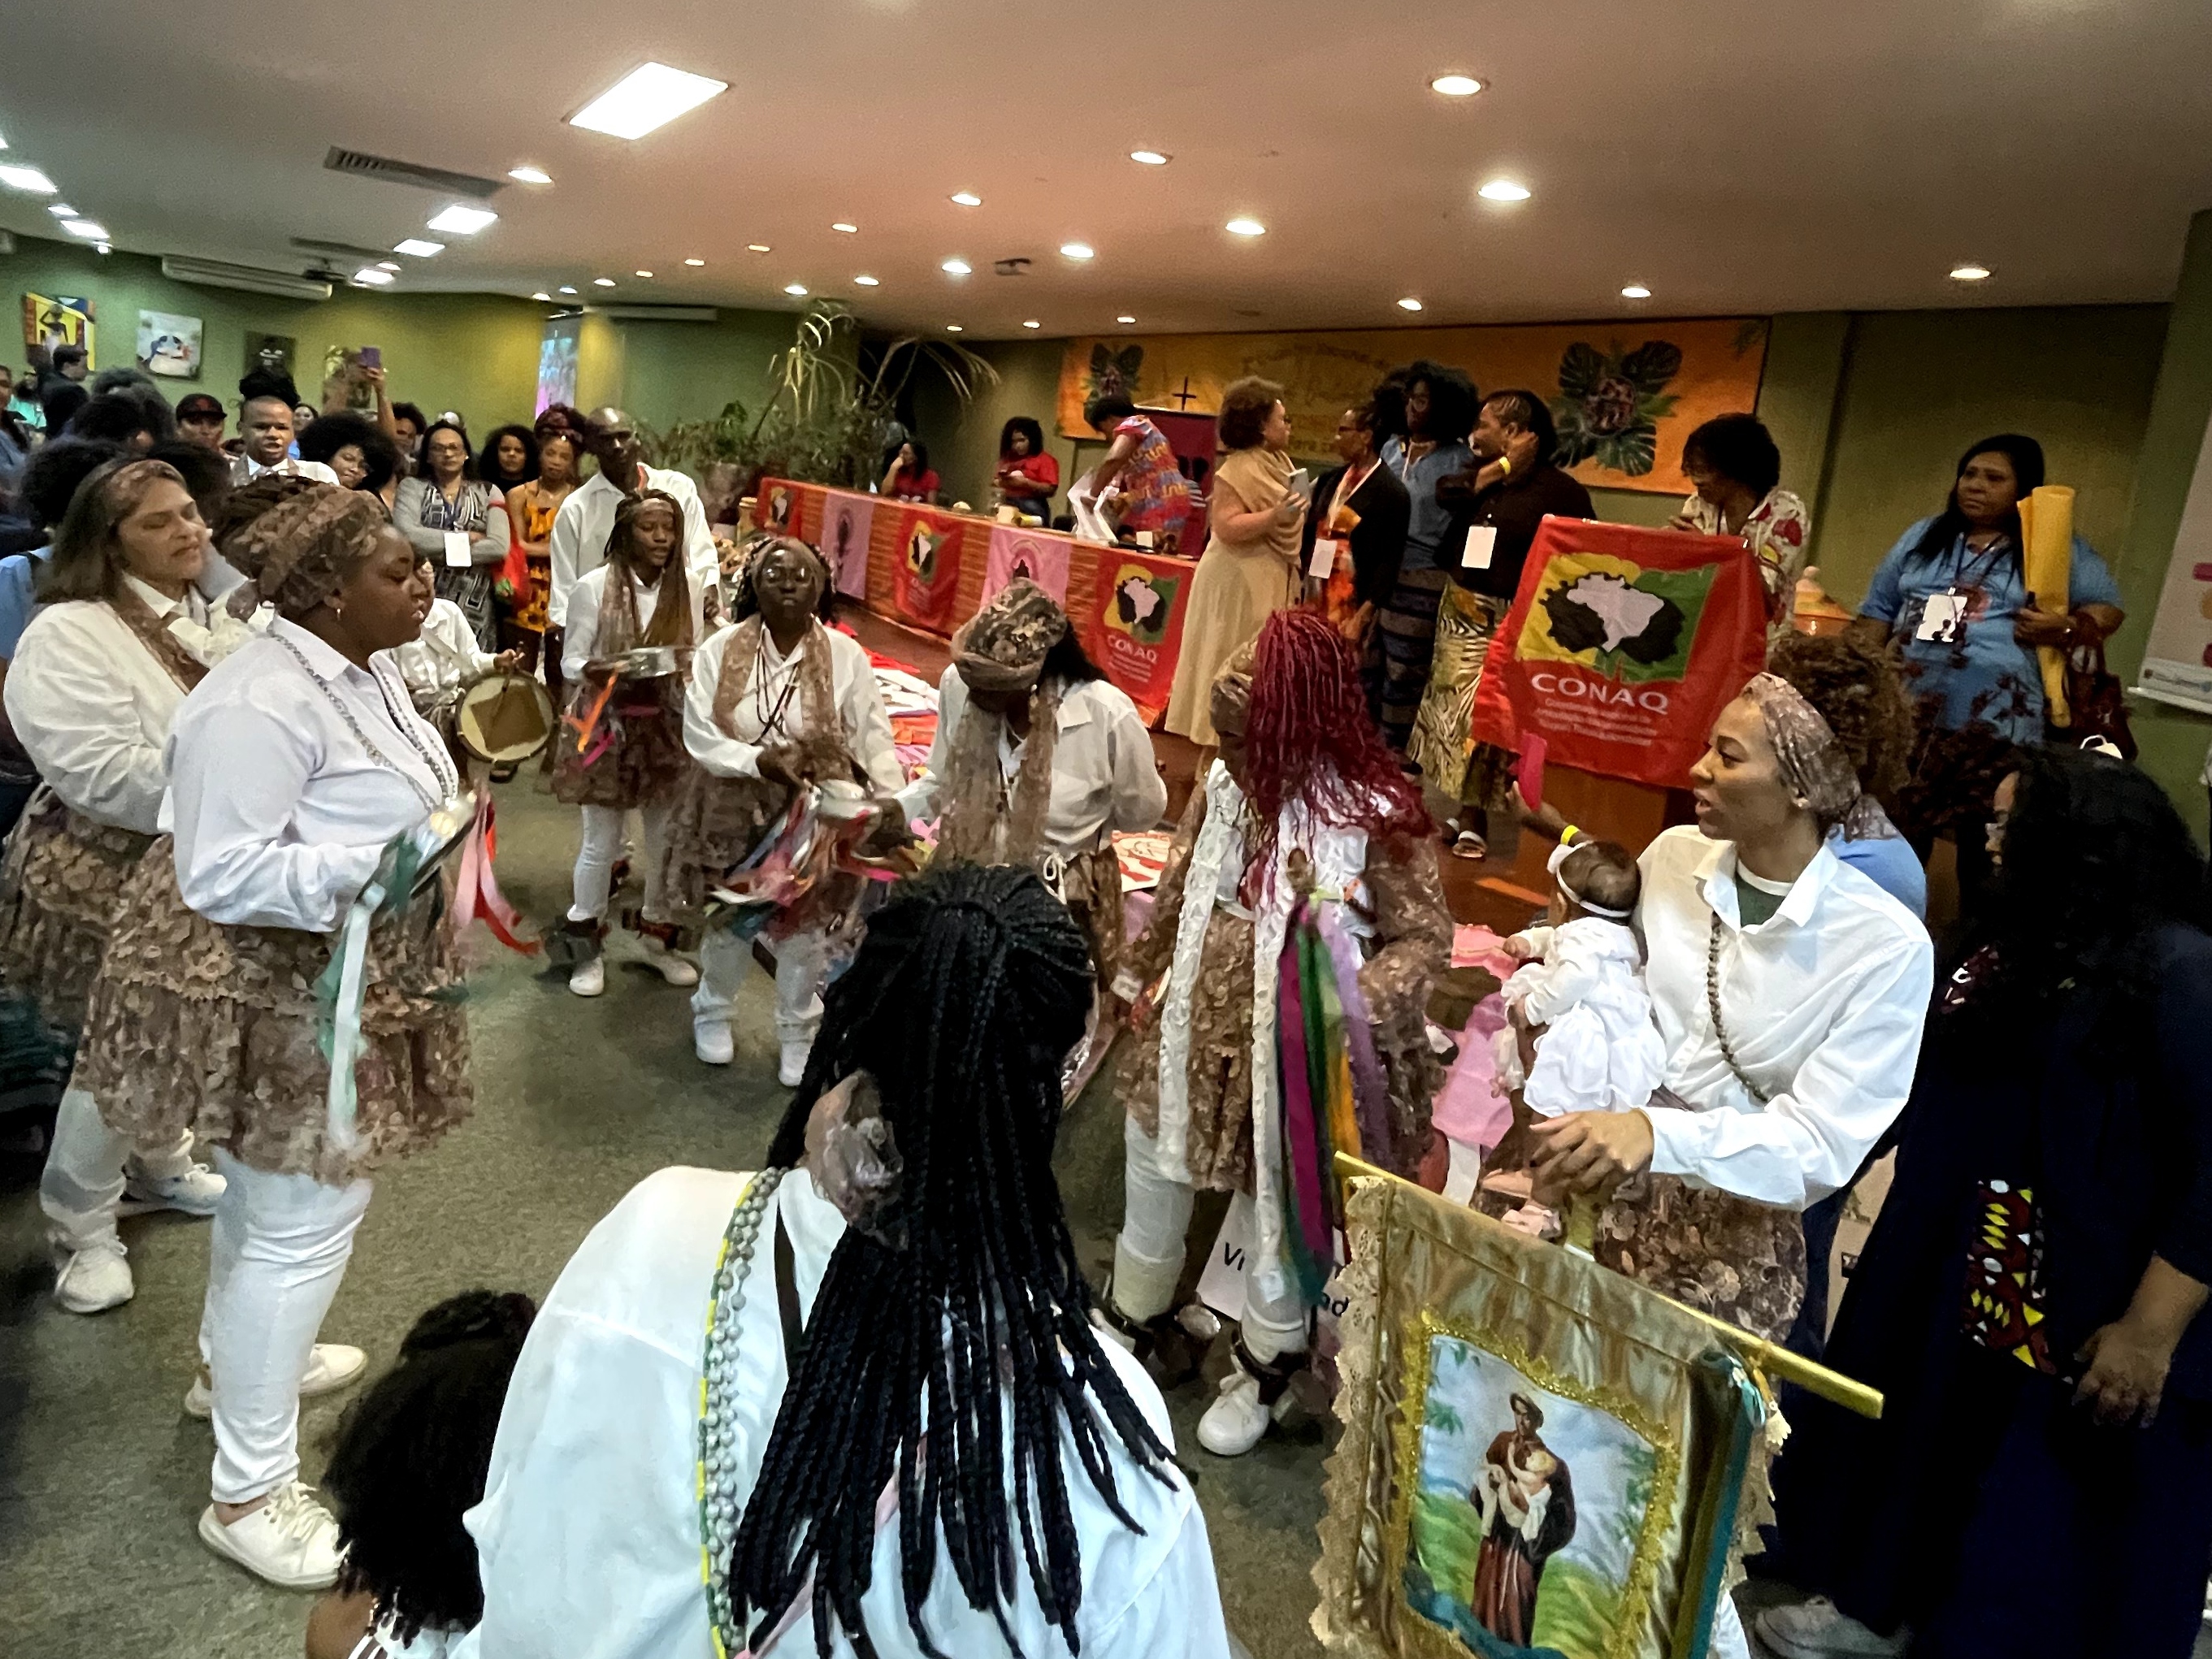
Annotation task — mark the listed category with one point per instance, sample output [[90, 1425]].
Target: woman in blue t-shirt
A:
[[1950, 595]]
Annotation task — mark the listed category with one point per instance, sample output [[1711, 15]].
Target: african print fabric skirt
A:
[[193, 1025], [1441, 741], [58, 898], [1406, 626]]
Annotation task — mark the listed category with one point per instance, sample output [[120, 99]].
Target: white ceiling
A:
[[1734, 155]]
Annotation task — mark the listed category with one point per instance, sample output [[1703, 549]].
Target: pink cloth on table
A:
[[1474, 946], [1468, 1109]]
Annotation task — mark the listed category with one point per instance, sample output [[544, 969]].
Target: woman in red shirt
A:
[[908, 478], [1027, 476]]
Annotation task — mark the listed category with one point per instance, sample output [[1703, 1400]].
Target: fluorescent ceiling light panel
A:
[[530, 175], [91, 229], [371, 276], [460, 220], [694, 262], [758, 247], [27, 179], [649, 96], [642, 273], [62, 210], [388, 264], [415, 247]]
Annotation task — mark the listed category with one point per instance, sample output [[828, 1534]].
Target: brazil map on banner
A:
[[1134, 629], [925, 568]]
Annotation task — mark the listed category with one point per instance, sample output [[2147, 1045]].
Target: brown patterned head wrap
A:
[[1003, 646], [1231, 695], [296, 541], [1814, 765]]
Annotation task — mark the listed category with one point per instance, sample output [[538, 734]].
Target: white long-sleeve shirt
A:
[[588, 1538], [93, 705], [586, 520], [1823, 1003], [445, 657], [580, 643], [279, 813], [861, 711], [1104, 776]]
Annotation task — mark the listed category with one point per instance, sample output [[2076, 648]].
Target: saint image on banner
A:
[[1018, 552], [847, 521], [1526, 1501]]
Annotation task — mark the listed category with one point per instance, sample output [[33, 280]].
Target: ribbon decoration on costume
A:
[[340, 991], [477, 890], [788, 883], [590, 723]]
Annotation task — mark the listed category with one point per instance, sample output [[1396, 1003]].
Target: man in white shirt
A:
[[581, 527], [265, 424]]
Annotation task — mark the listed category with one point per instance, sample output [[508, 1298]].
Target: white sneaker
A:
[[1236, 1420], [196, 1192], [93, 1280], [291, 1541], [791, 1065], [331, 1366], [588, 979], [711, 1039], [1815, 1630], [671, 967]]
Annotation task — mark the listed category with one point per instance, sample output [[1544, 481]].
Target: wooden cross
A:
[[1184, 396]]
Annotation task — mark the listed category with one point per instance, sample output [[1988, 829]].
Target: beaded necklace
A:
[[440, 767], [718, 1389], [1713, 1006]]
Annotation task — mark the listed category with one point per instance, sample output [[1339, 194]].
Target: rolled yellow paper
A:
[[2046, 536]]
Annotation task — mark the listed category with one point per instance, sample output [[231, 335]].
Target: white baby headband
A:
[[1558, 857]]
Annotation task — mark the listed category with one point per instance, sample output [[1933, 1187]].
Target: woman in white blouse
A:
[[776, 702], [633, 623], [294, 768], [92, 689], [1038, 759], [735, 1399]]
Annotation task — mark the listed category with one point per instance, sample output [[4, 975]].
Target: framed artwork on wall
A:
[[48, 323], [169, 344]]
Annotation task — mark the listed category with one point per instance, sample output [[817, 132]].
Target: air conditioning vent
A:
[[249, 279], [346, 251], [656, 314], [362, 165]]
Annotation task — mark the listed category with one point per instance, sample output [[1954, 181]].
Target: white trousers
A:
[[723, 960], [275, 1256], [1148, 1256], [602, 846], [82, 1181]]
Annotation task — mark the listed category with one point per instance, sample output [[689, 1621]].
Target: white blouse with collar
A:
[[859, 702], [579, 642]]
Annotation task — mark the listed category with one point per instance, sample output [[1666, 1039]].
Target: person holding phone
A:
[[1249, 569]]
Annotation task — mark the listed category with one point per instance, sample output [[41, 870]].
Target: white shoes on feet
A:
[[711, 1039], [588, 979], [292, 1540], [1815, 1630], [93, 1280], [1238, 1419], [790, 1064], [330, 1367], [676, 969], [196, 1192]]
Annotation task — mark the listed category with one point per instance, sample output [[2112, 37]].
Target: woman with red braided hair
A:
[[1298, 927]]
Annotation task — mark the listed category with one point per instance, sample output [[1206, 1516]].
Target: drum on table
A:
[[505, 717]]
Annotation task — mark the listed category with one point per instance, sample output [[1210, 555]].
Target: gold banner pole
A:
[[1755, 1351]]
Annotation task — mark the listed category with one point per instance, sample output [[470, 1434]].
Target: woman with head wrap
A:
[[775, 704], [294, 767], [92, 689], [1305, 831], [1038, 759], [632, 624], [859, 1390]]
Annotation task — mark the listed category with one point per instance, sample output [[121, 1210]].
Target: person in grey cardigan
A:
[[446, 507]]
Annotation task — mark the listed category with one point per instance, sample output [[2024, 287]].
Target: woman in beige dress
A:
[[1250, 567]]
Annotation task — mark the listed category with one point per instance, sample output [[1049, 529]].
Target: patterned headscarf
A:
[[1814, 763], [296, 541], [1003, 646]]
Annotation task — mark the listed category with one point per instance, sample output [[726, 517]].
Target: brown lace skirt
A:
[[717, 822], [643, 763], [196, 1026], [1219, 1149], [1091, 887], [1721, 1254], [60, 895]]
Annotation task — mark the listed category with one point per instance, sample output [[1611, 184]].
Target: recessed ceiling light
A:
[[849, 230], [758, 247], [641, 273], [602, 282], [91, 229], [651, 95], [1077, 251], [102, 248], [1125, 320], [546, 297], [417, 248], [866, 281], [1409, 303], [952, 328], [371, 276], [28, 179], [694, 262], [1970, 273], [1032, 323], [1503, 190], [62, 210], [1636, 291], [1245, 228], [966, 198], [956, 267], [797, 291], [566, 290], [388, 264], [530, 175], [1151, 158], [1455, 86], [460, 220]]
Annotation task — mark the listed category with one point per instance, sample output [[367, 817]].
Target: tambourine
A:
[[505, 717]]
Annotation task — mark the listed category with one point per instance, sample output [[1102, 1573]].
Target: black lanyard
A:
[[786, 1299]]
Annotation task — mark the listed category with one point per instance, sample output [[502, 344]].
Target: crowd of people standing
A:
[[227, 768]]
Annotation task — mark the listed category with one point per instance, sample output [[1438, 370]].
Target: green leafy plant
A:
[[831, 397], [1609, 406]]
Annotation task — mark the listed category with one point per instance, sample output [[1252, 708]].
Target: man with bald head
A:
[[581, 527]]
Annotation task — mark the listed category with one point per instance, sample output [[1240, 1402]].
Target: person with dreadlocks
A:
[[1038, 759], [93, 688], [294, 766], [776, 704], [1306, 850], [632, 624], [860, 1388]]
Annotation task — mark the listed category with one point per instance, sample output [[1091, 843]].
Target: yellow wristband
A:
[[1505, 465], [1567, 836]]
